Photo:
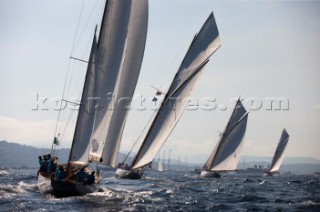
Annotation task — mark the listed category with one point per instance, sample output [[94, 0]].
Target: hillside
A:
[[16, 155]]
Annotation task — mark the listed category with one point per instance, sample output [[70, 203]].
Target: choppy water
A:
[[169, 191]]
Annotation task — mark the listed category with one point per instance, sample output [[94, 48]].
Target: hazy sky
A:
[[269, 50]]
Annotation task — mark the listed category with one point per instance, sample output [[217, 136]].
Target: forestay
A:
[[202, 47], [226, 154], [118, 59], [278, 155]]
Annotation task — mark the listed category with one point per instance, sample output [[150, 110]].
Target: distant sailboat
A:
[[160, 166], [204, 44], [113, 68], [226, 154], [278, 155]]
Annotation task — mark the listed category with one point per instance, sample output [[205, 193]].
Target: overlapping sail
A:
[[204, 44], [278, 155], [226, 154], [113, 72]]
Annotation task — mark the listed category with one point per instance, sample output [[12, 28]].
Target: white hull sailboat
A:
[[279, 153], [113, 70], [226, 154], [204, 44]]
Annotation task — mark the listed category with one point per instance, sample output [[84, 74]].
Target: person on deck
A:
[[80, 175], [52, 166], [41, 163], [45, 164], [90, 178], [59, 173]]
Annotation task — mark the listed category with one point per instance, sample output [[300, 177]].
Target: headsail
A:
[[204, 44], [226, 154], [79, 150], [118, 59], [278, 155]]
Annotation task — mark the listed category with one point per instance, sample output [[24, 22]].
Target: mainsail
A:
[[226, 154], [278, 155], [112, 75], [204, 44]]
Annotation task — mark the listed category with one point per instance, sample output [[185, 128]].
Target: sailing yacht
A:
[[226, 154], [203, 45], [113, 68], [160, 166], [279, 153]]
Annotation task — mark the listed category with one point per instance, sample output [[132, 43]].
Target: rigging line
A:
[[67, 93], [77, 29], [77, 89], [65, 82], [78, 59], [166, 68], [86, 25], [139, 136], [146, 108], [73, 93], [67, 125]]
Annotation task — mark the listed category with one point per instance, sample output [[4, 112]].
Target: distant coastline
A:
[[13, 155]]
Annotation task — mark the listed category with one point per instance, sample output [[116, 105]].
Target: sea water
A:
[[169, 191]]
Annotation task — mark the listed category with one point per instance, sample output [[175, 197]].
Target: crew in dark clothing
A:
[[52, 166], [90, 178], [41, 163], [80, 175], [59, 173]]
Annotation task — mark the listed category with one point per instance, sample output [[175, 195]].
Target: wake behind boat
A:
[[113, 68], [204, 44]]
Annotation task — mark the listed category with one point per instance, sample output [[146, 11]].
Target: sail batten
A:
[[203, 45], [226, 154], [279, 153]]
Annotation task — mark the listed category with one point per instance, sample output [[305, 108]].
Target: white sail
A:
[[79, 150], [121, 47], [226, 154], [111, 81], [278, 155], [160, 167], [202, 47]]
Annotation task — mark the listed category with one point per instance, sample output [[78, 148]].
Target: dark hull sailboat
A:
[[128, 174], [113, 68], [204, 44]]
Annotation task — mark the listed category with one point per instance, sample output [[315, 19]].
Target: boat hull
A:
[[64, 188], [127, 174], [44, 184], [210, 174]]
